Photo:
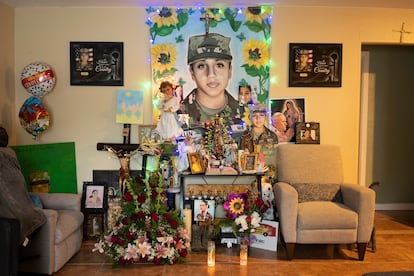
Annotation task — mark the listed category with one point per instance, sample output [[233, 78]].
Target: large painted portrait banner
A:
[[217, 60]]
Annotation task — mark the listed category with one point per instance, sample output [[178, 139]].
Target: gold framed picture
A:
[[196, 162], [249, 161]]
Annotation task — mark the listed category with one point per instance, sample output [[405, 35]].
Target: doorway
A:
[[387, 136]]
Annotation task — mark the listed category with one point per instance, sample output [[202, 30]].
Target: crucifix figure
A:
[[402, 32], [207, 20], [123, 152]]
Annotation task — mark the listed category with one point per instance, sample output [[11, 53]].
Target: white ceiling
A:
[[405, 4]]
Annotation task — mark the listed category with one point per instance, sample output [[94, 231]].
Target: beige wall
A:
[[86, 115], [7, 91]]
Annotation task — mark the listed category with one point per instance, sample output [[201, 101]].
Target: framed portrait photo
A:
[[204, 210], [249, 162], [97, 63], [307, 133], [195, 160], [94, 198], [315, 65], [146, 131]]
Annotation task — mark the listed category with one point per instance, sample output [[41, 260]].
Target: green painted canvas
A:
[[57, 159]]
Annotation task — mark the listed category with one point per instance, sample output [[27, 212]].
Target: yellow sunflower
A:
[[236, 205], [163, 56], [256, 53], [258, 14], [164, 17]]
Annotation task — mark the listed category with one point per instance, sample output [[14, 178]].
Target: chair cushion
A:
[[301, 163], [318, 192], [68, 222], [326, 215]]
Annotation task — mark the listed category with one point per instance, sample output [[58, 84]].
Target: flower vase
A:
[[244, 251]]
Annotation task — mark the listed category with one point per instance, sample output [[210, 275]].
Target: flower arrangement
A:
[[244, 213], [145, 232]]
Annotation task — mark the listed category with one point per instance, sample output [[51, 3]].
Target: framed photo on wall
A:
[[285, 114], [307, 133], [97, 63], [315, 65], [94, 198]]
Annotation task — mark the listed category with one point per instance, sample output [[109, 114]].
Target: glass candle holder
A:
[[211, 253], [243, 252]]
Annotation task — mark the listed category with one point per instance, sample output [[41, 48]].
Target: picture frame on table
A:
[[94, 197], [93, 225], [315, 65], [195, 160], [146, 131], [249, 162], [307, 133], [97, 63], [206, 203]]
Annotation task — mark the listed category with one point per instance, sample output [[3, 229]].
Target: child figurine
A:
[[168, 127]]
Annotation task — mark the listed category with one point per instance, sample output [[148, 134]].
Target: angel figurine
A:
[[168, 127]]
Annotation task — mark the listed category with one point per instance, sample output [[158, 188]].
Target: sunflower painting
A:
[[249, 31]]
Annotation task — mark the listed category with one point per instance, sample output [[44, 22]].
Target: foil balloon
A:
[[34, 117], [38, 79]]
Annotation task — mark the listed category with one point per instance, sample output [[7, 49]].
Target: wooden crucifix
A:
[[402, 32], [207, 20], [124, 152]]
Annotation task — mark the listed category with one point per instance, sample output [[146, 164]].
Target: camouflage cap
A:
[[211, 46], [258, 108]]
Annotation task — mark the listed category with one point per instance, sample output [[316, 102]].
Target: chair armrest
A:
[[362, 200], [286, 198], [61, 201], [41, 245]]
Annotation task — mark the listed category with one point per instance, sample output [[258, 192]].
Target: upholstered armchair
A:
[[59, 239], [313, 203]]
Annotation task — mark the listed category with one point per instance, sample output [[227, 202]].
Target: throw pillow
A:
[[14, 197], [36, 200], [318, 192]]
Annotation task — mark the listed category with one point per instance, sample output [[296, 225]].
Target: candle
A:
[[243, 252], [187, 221], [211, 253]]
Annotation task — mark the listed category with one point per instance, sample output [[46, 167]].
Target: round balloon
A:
[[38, 79], [34, 117]]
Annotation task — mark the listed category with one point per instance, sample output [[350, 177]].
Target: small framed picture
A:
[[146, 131], [204, 210], [94, 198], [93, 225], [315, 65], [249, 161], [196, 162], [97, 63], [307, 133], [184, 120]]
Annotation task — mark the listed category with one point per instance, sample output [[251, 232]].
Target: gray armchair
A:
[[55, 242], [313, 203]]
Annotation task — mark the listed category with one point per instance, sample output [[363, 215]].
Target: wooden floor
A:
[[394, 252]]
